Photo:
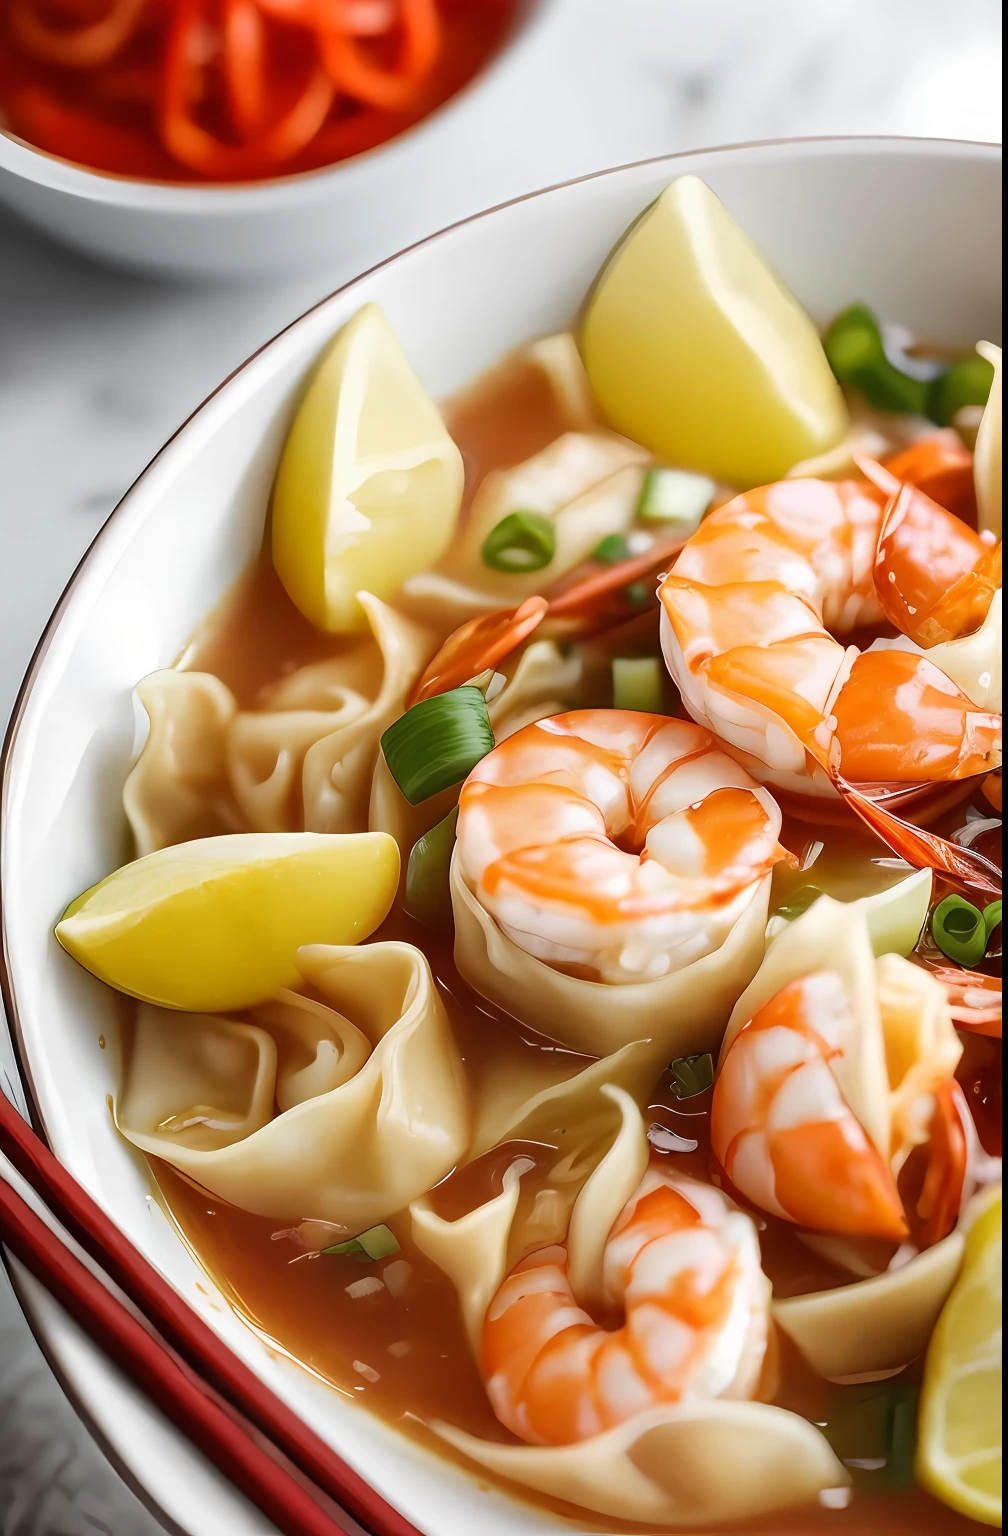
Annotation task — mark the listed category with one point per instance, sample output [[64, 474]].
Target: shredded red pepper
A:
[[233, 90]]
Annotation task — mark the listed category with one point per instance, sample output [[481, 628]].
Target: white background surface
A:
[[97, 369]]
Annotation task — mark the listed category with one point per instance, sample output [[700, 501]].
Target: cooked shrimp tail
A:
[[965, 868], [934, 575]]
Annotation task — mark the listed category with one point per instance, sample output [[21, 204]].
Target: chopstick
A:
[[196, 1343], [181, 1396]]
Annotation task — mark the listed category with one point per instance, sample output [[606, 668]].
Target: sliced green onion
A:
[[872, 1429], [854, 349], [692, 1075], [376, 1243], [959, 930], [853, 342], [522, 541], [901, 1438], [428, 897], [612, 550], [675, 496], [967, 382], [637, 684], [991, 919], [438, 742], [639, 594]]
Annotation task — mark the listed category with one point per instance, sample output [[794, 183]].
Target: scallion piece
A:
[[675, 496], [612, 550], [855, 351], [959, 930], [376, 1243], [520, 542], [853, 342], [428, 897], [902, 1436], [639, 594], [967, 382], [991, 918], [438, 742], [872, 1429], [637, 684], [692, 1075]]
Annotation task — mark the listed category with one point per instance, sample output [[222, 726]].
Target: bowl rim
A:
[[20, 158], [910, 147], [829, 143]]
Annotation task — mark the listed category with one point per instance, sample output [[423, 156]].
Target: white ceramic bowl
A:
[[343, 217], [911, 227]]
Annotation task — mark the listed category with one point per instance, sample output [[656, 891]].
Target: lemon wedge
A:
[[214, 925], [959, 1444], [370, 484], [694, 347]]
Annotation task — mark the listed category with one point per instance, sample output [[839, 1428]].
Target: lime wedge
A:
[[695, 349], [370, 483], [214, 925], [959, 1444]]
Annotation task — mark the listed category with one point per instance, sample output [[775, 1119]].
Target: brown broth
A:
[[405, 1356], [509, 414]]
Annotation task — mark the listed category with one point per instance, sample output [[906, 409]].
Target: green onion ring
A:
[[959, 930], [520, 542]]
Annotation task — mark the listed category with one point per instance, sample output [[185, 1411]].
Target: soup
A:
[[589, 1050], [240, 90]]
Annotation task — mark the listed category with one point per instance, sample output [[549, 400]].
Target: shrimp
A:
[[753, 604], [614, 845], [784, 1131], [684, 1265]]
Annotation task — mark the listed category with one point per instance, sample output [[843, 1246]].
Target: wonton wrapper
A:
[[389, 811], [479, 1249], [987, 455], [680, 1465], [560, 361], [177, 789], [545, 682], [305, 762], [587, 484], [373, 1103], [681, 1012], [687, 1464], [873, 1326], [266, 747], [905, 1039], [336, 764]]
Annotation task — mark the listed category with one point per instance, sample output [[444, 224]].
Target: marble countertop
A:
[[97, 369]]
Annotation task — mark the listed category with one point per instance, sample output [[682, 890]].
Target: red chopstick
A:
[[186, 1332], [176, 1390]]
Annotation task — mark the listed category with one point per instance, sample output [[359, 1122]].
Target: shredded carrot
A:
[[233, 90]]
